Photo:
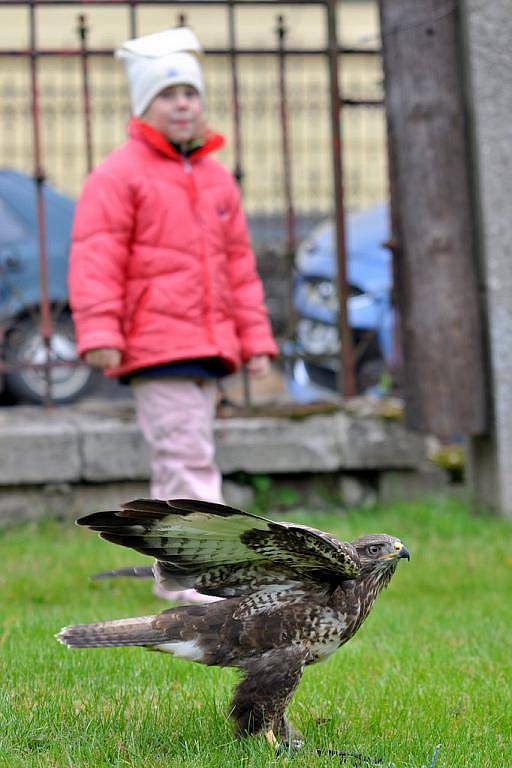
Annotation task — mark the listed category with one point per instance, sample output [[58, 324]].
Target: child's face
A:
[[177, 113]]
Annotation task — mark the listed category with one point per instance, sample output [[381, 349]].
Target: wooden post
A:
[[438, 286]]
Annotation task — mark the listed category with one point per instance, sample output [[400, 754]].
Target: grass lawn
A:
[[431, 665]]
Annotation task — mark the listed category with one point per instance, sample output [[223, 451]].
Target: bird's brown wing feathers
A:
[[221, 550]]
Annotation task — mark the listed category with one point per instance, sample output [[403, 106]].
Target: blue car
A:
[[371, 315], [21, 341]]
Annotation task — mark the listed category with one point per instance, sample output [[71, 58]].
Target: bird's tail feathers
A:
[[118, 632]]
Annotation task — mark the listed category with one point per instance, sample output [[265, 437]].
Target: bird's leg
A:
[[263, 694]]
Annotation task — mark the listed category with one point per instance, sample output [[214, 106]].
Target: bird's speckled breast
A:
[[327, 632]]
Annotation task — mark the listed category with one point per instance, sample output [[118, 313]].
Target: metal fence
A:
[[305, 126]]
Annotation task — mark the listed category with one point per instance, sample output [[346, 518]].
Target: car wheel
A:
[[24, 344]]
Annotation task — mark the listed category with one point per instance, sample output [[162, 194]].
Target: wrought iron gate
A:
[[285, 57]]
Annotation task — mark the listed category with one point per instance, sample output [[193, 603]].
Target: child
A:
[[163, 285]]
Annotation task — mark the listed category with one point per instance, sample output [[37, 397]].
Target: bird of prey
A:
[[293, 595]]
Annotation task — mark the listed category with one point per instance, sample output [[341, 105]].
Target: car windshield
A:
[[11, 229]]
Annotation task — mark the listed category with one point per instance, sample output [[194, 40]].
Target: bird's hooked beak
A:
[[401, 551]]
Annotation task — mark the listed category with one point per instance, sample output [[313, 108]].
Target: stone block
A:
[[64, 501], [277, 445], [377, 444], [399, 485], [113, 450], [32, 451], [237, 495], [356, 491]]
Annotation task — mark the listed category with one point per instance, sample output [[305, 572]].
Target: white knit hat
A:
[[154, 62]]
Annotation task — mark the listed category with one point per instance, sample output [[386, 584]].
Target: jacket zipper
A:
[[187, 166]]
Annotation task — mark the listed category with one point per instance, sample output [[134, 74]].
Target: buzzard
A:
[[293, 595]]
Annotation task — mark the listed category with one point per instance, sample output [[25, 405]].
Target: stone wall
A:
[[54, 460]]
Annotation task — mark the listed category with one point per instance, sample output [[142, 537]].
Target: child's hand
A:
[[103, 358], [258, 366]]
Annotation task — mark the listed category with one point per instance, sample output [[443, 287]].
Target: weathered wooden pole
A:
[[436, 266]]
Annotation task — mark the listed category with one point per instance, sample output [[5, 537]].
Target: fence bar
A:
[[287, 172], [362, 103], [46, 318], [209, 3], [285, 139], [237, 135], [132, 16], [231, 51], [345, 333], [82, 31], [237, 126]]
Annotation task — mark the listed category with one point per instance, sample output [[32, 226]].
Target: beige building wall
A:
[[62, 117]]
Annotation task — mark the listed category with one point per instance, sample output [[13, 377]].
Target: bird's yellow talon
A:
[[270, 737]]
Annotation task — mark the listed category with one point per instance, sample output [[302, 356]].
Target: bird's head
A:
[[379, 553]]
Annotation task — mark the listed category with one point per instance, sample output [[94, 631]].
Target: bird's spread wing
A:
[[223, 551]]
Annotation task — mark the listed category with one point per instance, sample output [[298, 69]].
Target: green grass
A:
[[431, 665]]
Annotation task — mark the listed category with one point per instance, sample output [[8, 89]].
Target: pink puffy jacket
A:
[[161, 265]]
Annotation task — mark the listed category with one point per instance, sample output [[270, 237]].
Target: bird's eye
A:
[[374, 549]]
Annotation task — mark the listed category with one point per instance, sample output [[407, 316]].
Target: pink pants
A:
[[176, 418]]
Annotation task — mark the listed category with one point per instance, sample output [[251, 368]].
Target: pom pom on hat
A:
[[157, 61]]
